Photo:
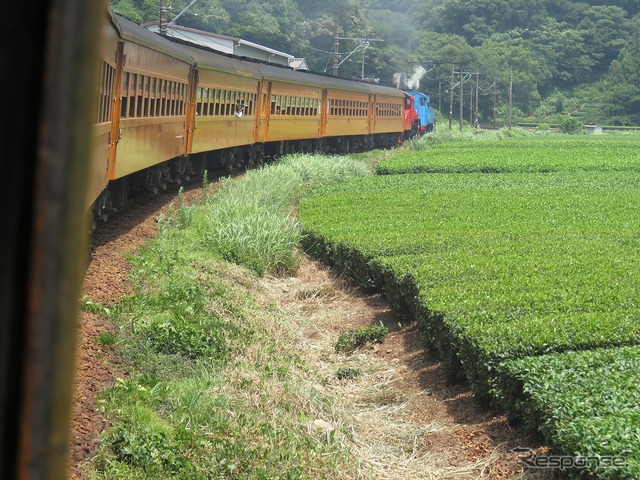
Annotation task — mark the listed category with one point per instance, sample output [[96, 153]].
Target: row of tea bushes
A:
[[541, 154], [506, 268], [585, 403]]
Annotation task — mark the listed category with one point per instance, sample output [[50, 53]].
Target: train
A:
[[424, 119], [167, 111]]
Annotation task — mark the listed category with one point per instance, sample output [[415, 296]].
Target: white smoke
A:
[[413, 82], [397, 79]]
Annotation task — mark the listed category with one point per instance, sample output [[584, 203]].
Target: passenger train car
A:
[[167, 111]]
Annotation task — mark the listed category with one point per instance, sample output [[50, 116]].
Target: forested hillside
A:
[[557, 57]]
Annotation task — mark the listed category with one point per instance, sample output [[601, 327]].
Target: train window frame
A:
[[163, 95]]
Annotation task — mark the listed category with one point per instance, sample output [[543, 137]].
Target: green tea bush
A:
[[539, 154], [517, 279], [584, 403]]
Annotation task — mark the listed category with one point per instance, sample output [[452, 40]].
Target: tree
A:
[[604, 30], [497, 60]]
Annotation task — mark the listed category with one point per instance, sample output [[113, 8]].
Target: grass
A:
[[217, 387], [250, 221], [351, 340]]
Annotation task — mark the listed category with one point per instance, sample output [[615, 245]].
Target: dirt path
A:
[[408, 421]]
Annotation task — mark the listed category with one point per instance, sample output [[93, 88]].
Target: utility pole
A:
[[163, 18], [471, 105], [511, 98], [336, 55], [477, 88], [451, 99], [461, 96], [364, 47], [440, 97], [495, 100]]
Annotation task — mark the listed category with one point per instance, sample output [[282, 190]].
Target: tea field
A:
[[519, 260]]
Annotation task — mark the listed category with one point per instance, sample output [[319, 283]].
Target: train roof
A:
[[209, 60], [415, 93], [133, 32]]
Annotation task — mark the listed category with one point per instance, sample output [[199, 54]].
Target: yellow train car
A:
[[347, 107], [291, 106], [387, 116], [103, 137], [226, 102], [154, 102]]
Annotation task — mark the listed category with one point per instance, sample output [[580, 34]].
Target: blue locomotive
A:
[[426, 115]]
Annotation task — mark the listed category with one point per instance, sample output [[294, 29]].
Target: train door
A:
[[264, 114], [190, 122], [117, 106], [372, 114], [324, 112]]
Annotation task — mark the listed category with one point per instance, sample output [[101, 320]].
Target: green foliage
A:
[[208, 368], [178, 217], [353, 339], [569, 124], [584, 403], [172, 335], [107, 339], [249, 221], [530, 153]]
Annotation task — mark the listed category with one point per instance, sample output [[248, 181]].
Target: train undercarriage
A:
[[225, 161]]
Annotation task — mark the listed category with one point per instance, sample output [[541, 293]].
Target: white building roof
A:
[[229, 45]]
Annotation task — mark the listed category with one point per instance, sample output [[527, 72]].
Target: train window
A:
[[202, 95], [207, 106], [227, 102], [214, 98], [146, 92], [183, 98], [212, 102], [158, 97], [223, 100], [152, 97]]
